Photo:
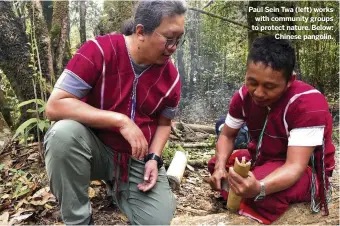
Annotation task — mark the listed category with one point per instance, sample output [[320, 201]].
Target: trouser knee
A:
[[161, 216], [62, 139]]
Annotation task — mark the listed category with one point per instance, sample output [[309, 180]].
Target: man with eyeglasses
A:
[[114, 103]]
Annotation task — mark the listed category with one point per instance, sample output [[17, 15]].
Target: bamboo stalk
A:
[[241, 168], [176, 169]]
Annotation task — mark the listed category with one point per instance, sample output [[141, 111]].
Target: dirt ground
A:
[[197, 204]]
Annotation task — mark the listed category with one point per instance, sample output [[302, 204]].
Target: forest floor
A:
[[25, 197]]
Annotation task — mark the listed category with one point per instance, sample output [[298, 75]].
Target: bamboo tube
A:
[[176, 169], [241, 168]]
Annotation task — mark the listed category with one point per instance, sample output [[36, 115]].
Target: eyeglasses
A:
[[170, 43]]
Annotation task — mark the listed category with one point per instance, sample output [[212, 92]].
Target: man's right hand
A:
[[132, 133], [217, 177]]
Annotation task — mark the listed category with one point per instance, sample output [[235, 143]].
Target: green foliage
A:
[[214, 60], [42, 124], [317, 60], [10, 101], [336, 135], [215, 55], [114, 15], [93, 16], [168, 153], [38, 119], [21, 183]]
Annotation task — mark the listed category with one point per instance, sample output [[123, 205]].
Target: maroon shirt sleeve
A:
[[87, 63], [308, 110], [236, 105], [172, 101]]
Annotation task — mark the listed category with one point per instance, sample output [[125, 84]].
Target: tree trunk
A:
[[48, 12], [59, 34], [82, 18], [15, 55], [181, 70], [43, 43], [193, 51], [5, 134], [4, 108]]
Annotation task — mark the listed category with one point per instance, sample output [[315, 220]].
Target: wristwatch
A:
[[153, 156], [262, 194]]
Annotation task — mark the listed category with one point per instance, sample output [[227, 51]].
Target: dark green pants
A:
[[74, 156]]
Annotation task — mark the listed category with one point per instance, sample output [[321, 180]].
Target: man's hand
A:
[[150, 176], [217, 177], [132, 133], [247, 187]]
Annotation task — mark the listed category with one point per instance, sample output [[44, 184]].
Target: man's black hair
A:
[[279, 54]]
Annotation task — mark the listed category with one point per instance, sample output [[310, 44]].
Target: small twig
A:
[[32, 150], [195, 211], [193, 145], [173, 130], [38, 132]]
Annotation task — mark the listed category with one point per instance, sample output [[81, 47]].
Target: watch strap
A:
[[262, 194], [153, 156]]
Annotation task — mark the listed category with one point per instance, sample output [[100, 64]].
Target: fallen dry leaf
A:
[[92, 193], [21, 210], [20, 203], [41, 192], [5, 196], [7, 161], [4, 218], [123, 217], [34, 157], [47, 206], [192, 169], [18, 219], [96, 182], [41, 197]]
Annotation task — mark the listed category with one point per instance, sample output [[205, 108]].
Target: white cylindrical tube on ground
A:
[[176, 169]]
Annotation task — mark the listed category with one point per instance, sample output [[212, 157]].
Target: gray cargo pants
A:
[[74, 156]]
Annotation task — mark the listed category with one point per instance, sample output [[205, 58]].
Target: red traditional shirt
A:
[[300, 108], [101, 73]]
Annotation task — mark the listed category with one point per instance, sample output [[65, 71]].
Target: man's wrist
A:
[[154, 157], [220, 166], [120, 119], [153, 161], [258, 188]]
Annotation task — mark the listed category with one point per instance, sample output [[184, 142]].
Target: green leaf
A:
[[42, 108], [24, 192], [17, 190], [38, 101], [41, 125], [47, 124], [2, 166], [23, 126]]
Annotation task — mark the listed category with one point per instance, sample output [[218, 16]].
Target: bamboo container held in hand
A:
[[241, 168]]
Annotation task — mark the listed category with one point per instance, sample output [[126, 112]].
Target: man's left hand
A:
[[150, 176], [247, 187]]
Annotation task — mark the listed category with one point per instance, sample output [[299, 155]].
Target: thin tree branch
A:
[[224, 19]]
